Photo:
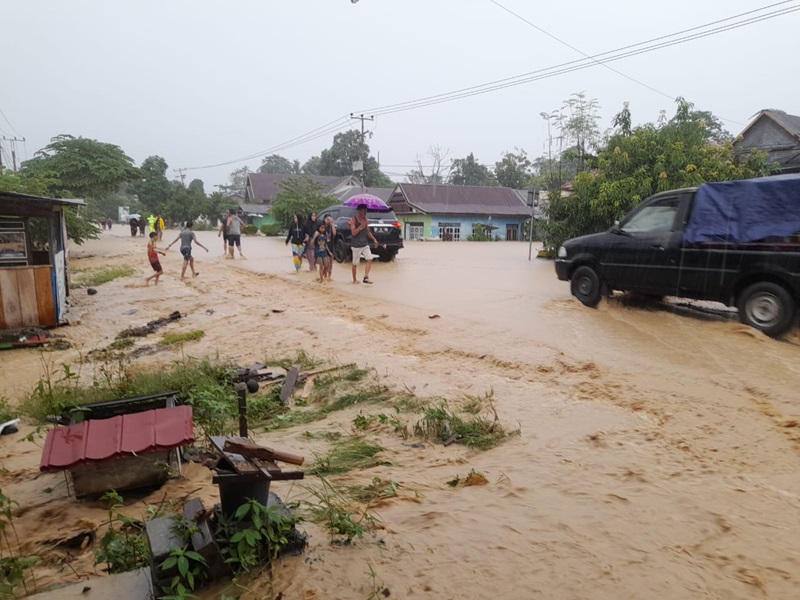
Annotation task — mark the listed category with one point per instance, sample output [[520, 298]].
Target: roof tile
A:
[[98, 440]]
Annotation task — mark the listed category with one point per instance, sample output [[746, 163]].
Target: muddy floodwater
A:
[[658, 449]]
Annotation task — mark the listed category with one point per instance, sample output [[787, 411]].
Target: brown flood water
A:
[[658, 452]]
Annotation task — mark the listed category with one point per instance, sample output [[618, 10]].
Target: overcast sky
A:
[[201, 82]]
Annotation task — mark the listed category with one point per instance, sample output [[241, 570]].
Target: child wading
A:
[[322, 253], [152, 255], [186, 238]]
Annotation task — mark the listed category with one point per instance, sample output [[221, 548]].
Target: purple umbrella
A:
[[373, 203]]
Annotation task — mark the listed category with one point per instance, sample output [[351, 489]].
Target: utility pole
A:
[[182, 174], [362, 118], [13, 141]]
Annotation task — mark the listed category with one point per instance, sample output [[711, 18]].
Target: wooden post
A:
[[241, 390]]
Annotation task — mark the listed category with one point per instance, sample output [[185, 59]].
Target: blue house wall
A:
[[466, 224]]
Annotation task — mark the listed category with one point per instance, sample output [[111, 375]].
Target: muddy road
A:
[[658, 451]]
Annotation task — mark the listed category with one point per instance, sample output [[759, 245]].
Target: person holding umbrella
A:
[[359, 229]]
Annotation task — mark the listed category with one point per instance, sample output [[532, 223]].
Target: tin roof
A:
[[99, 440], [463, 200]]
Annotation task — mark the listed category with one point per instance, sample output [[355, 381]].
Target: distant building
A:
[[455, 212], [263, 188], [775, 132]]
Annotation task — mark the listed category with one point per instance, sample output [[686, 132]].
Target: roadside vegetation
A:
[[99, 276]]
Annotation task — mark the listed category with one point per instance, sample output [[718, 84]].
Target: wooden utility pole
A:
[[362, 118], [13, 141], [182, 174]]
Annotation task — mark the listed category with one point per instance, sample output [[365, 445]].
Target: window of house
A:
[[416, 231], [512, 233], [450, 232]]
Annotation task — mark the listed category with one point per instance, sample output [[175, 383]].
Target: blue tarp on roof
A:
[[746, 211]]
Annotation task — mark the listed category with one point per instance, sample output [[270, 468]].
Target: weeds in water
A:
[[442, 423], [172, 339], [340, 516], [122, 344], [13, 566], [6, 412], [94, 277], [347, 455], [255, 534], [472, 478], [191, 568], [123, 547], [379, 489], [377, 588], [214, 408], [302, 360]]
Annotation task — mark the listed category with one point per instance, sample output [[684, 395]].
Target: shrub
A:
[[250, 230], [271, 229]]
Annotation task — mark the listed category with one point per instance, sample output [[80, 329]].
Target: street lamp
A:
[[533, 201]]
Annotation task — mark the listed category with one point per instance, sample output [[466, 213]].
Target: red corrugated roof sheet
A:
[[104, 439]]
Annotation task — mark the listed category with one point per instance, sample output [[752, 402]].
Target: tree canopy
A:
[[81, 167], [468, 171], [345, 150], [275, 163], [298, 196], [637, 162], [513, 170]]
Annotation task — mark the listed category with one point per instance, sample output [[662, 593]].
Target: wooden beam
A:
[[288, 384], [253, 451], [45, 300]]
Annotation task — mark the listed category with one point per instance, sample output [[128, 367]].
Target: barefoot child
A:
[[152, 255], [322, 254], [186, 237]]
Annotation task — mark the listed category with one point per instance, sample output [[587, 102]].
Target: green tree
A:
[[468, 171], [579, 125], [237, 182], [345, 150], [299, 195], [153, 189], [78, 229], [640, 161], [275, 163], [312, 166], [81, 167], [513, 170]]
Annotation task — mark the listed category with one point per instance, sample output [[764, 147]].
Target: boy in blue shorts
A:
[[186, 237]]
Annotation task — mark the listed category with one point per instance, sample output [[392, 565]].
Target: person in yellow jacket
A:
[[160, 227], [151, 220]]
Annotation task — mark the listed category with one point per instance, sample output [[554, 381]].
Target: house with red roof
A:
[[456, 212]]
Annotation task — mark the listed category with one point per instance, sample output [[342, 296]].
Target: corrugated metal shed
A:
[[99, 440]]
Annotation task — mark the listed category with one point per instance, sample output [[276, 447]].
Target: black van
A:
[[734, 242], [383, 225]]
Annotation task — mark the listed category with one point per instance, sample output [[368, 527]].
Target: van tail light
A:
[[397, 224]]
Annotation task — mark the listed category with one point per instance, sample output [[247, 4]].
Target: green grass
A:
[[347, 455], [95, 277], [171, 339], [122, 344], [60, 390], [301, 359], [439, 422]]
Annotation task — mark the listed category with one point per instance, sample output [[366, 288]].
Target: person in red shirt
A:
[[152, 255]]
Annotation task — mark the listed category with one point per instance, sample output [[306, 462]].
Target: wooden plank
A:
[[45, 300], [254, 451], [11, 309], [239, 463], [26, 284], [2, 312], [288, 384]]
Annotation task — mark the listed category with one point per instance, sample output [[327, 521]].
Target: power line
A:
[[571, 47], [9, 123], [322, 131], [566, 67], [628, 51]]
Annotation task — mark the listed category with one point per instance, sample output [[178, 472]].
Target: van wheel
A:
[[339, 250], [585, 286], [767, 307]]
